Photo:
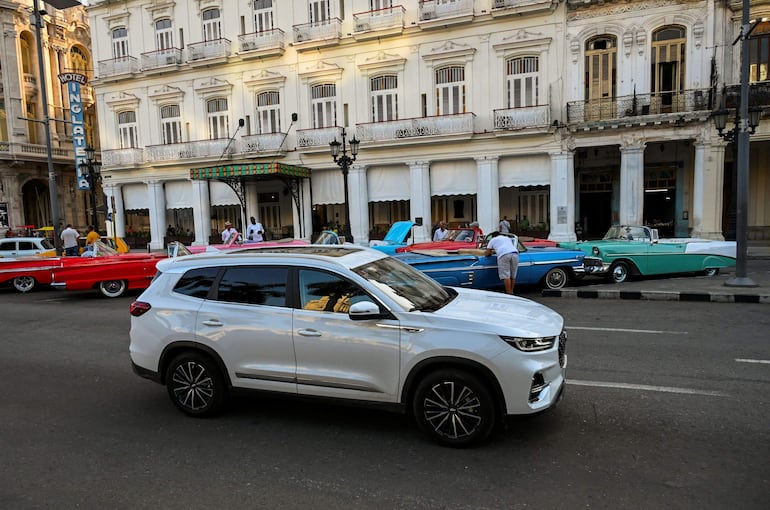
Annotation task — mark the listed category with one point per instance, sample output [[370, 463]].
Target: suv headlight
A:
[[530, 344]]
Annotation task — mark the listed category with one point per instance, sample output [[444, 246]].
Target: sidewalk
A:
[[682, 288]]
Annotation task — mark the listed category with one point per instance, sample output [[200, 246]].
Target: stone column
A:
[[307, 212], [201, 212], [118, 211], [252, 203], [488, 195], [359, 204], [631, 183], [562, 207], [419, 199], [157, 214], [708, 183]]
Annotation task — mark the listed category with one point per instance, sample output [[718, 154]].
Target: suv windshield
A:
[[405, 285]]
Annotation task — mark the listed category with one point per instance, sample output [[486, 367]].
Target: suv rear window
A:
[[257, 285], [197, 282]]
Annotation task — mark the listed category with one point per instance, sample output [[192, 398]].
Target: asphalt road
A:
[[667, 407]]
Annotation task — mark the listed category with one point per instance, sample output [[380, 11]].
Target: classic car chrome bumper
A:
[[595, 266]]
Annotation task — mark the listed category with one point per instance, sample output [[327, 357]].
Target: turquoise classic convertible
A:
[[626, 251]]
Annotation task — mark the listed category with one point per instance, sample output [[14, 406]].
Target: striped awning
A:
[[248, 170]]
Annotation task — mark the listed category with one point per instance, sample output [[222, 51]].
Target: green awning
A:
[[247, 170]]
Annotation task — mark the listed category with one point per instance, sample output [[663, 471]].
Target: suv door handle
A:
[[212, 322], [309, 332]]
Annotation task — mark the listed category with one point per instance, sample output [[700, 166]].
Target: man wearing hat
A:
[[229, 234]]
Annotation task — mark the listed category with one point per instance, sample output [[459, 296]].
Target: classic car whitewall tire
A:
[[619, 272], [113, 288], [454, 407], [712, 271], [196, 385], [556, 278], [24, 283]]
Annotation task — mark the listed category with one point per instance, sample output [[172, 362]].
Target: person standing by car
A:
[[91, 236], [505, 225], [440, 232], [255, 231], [507, 251], [229, 234], [69, 238]]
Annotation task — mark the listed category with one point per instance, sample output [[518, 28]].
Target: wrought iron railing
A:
[[655, 103], [759, 95], [415, 127], [209, 49], [523, 117], [267, 39], [118, 66], [161, 58], [318, 137]]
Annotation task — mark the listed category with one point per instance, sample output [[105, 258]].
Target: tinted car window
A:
[[327, 292], [7, 245], [254, 285], [26, 245], [197, 282]]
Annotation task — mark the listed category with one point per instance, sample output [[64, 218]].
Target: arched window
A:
[[269, 112], [127, 129], [522, 81], [601, 77], [164, 34], [263, 15], [384, 97], [171, 124], [667, 74], [212, 25], [120, 43], [450, 90], [324, 103], [218, 118]]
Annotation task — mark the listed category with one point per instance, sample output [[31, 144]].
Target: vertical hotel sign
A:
[[73, 82]]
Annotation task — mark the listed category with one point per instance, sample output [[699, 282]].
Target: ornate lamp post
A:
[[91, 170], [344, 161], [746, 122]]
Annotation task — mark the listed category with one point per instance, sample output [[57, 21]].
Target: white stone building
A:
[[550, 112]]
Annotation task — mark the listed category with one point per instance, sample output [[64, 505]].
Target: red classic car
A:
[[455, 239], [106, 270], [26, 273]]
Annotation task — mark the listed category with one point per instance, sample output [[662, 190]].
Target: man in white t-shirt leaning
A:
[[255, 231], [507, 251]]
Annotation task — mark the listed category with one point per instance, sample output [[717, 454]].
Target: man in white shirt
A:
[[507, 251], [255, 231], [505, 226], [229, 234], [440, 232], [69, 237]]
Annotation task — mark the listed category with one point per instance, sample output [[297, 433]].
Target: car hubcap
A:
[[24, 283], [193, 388], [452, 410], [619, 273], [556, 280]]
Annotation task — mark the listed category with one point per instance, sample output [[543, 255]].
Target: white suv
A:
[[348, 323]]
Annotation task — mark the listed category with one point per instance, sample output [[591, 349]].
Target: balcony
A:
[[216, 50], [122, 157], [30, 85], [260, 145], [379, 23], [320, 137], [521, 7], [118, 67], [439, 13], [525, 118], [34, 151], [417, 128], [759, 95], [640, 109], [318, 34], [269, 43], [190, 150], [161, 60]]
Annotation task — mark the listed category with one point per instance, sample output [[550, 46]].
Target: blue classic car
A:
[[636, 250], [396, 237], [552, 268]]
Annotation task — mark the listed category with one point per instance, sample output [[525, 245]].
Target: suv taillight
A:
[[138, 308]]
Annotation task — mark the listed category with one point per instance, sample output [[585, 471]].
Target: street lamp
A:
[[91, 170], [746, 123], [344, 161]]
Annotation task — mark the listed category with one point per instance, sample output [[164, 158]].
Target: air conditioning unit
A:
[[170, 59], [302, 37], [362, 27], [248, 46], [428, 15]]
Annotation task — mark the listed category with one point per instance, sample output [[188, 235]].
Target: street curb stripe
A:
[[658, 295], [761, 361]]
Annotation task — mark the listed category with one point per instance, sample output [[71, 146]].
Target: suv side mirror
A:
[[364, 310]]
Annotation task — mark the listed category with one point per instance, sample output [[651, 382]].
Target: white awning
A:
[[135, 197], [524, 171], [326, 187], [386, 183], [222, 194], [178, 195], [453, 178]]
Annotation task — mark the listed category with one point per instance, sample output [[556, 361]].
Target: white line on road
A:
[[645, 387], [623, 330], [763, 361]]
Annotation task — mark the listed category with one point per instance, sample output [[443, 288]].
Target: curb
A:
[[656, 295]]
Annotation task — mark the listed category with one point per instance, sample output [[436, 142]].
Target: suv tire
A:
[[195, 384], [454, 407]]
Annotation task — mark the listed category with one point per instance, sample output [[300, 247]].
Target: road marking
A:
[[763, 361], [645, 387], [623, 330]]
